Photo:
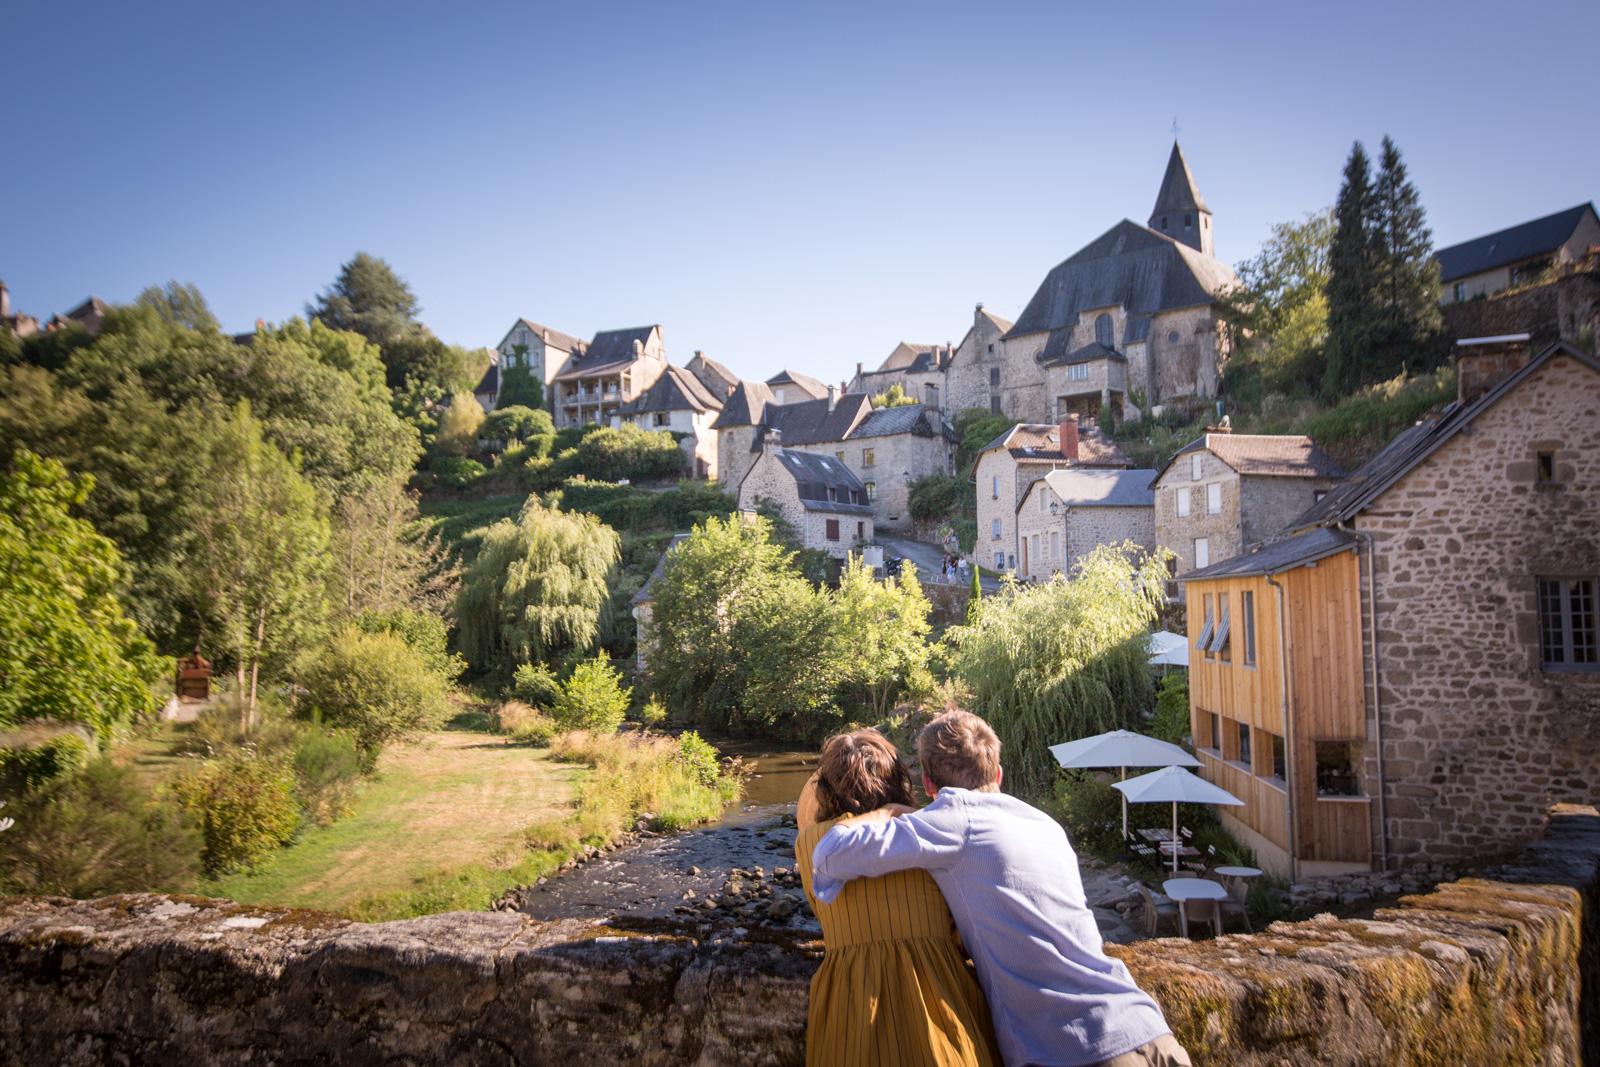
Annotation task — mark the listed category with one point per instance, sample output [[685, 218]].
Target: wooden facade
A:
[[1259, 738]]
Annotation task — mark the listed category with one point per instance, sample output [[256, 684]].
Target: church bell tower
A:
[[1180, 211]]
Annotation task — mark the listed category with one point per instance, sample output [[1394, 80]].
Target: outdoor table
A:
[[1183, 890], [1156, 835], [1243, 874]]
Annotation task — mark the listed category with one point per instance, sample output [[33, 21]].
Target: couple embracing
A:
[[904, 896]]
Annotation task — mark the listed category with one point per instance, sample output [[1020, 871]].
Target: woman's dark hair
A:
[[860, 772]]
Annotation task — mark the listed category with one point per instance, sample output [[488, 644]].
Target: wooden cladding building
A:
[[1277, 702]]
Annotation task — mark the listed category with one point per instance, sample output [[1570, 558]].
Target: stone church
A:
[[1130, 322]]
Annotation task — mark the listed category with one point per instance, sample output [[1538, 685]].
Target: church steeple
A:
[[1180, 211]]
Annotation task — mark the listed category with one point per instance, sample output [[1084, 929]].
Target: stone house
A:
[[1009, 464], [612, 370], [817, 495], [974, 375], [1225, 493], [643, 604], [543, 351], [919, 370], [792, 387], [719, 381], [1067, 514], [1467, 559], [753, 407], [1516, 255], [678, 402]]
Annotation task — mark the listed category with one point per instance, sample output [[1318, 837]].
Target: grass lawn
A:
[[455, 519], [457, 799]]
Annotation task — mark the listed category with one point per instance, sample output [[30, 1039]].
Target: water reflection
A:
[[777, 776]]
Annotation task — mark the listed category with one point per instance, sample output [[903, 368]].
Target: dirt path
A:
[[456, 798]]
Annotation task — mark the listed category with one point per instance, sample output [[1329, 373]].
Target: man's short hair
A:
[[959, 749]]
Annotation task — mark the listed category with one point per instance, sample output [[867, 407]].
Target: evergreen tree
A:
[[368, 298], [1351, 278], [1408, 277]]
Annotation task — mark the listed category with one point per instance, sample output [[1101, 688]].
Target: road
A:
[[927, 558]]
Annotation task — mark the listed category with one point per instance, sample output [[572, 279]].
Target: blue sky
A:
[[798, 186]]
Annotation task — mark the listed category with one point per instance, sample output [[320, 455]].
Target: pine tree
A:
[[1408, 278], [1351, 278]]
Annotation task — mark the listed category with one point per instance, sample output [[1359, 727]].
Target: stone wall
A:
[[1558, 310], [1475, 973], [893, 456], [967, 376], [1222, 530], [1268, 504], [734, 458], [1477, 737]]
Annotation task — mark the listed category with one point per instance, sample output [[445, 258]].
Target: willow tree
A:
[[1063, 659], [537, 588]]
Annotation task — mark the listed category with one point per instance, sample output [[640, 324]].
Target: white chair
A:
[[1200, 910], [1156, 908]]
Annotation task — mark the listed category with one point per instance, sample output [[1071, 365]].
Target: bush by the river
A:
[[376, 686], [592, 698], [247, 806]]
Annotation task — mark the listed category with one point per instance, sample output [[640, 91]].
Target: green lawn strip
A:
[[449, 814]]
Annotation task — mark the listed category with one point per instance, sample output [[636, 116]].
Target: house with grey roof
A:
[[792, 387], [919, 370], [1127, 322], [1226, 493], [816, 494], [644, 600], [1067, 514], [527, 347], [718, 380], [613, 369], [1516, 255], [678, 402]]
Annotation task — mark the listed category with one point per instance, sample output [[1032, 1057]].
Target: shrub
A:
[[327, 766], [592, 698], [96, 832], [527, 725], [536, 684], [456, 472], [423, 631], [653, 714], [516, 423], [374, 685], [935, 496], [247, 807], [636, 774], [29, 759], [699, 758], [1090, 810], [1171, 721]]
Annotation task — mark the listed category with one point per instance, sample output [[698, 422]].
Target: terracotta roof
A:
[[1416, 444], [1041, 442], [675, 390], [1272, 455]]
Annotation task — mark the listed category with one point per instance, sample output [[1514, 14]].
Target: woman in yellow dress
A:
[[894, 989]]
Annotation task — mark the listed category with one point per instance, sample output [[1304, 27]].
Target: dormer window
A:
[[1188, 222], [1163, 222], [1104, 329]]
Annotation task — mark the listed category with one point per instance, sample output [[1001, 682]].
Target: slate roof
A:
[[646, 593], [1041, 442], [1178, 190], [907, 418], [609, 352], [564, 341], [1512, 245], [906, 355], [1416, 444], [717, 379], [675, 390], [490, 385], [804, 381], [1272, 455], [745, 406], [1102, 489], [1128, 265], [1055, 354], [1004, 324], [1286, 555], [815, 475], [810, 422]]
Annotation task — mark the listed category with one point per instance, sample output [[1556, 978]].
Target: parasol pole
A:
[[1175, 837], [1124, 807]]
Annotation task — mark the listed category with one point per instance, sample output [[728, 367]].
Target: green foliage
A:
[[535, 684], [976, 427], [456, 471], [460, 425], [31, 762], [327, 767], [383, 558], [966, 531], [180, 305], [67, 652], [519, 386], [528, 725], [884, 627], [1171, 721], [610, 455], [512, 423], [425, 632], [1062, 659], [1278, 315], [1090, 810], [936, 496], [893, 397], [653, 713], [537, 588], [376, 686], [636, 774], [592, 698], [246, 807], [699, 758], [627, 507], [97, 832]]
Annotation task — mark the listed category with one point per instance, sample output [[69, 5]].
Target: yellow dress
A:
[[894, 989]]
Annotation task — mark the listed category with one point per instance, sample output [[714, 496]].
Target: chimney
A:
[[699, 354], [771, 440], [1484, 362], [638, 348], [833, 397], [1069, 437], [261, 324], [5, 301], [858, 371]]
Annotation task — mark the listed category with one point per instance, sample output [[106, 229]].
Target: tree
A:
[[1063, 659], [381, 559], [1352, 276], [370, 299], [592, 698], [1278, 314], [517, 424], [537, 588], [893, 397], [375, 685], [518, 385], [260, 539], [884, 625], [459, 425], [67, 651], [180, 305], [976, 427]]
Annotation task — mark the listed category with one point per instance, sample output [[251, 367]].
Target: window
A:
[[1035, 549], [996, 488], [1055, 544], [1196, 472], [994, 530], [1214, 498], [1103, 329], [1546, 468], [779, 394], [994, 405], [872, 491], [1249, 612], [1202, 552], [833, 529], [1567, 624], [869, 457], [1317, 495], [1461, 291], [1163, 222], [1042, 494], [1216, 732], [999, 560], [861, 531], [1011, 563], [994, 376], [1172, 337], [991, 348], [833, 494], [1280, 762], [839, 456], [661, 418], [1207, 630], [1336, 768], [1078, 372], [1188, 222], [1219, 640], [1244, 744], [1183, 503]]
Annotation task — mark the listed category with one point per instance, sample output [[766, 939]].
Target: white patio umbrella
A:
[[1123, 749], [1168, 650], [1177, 785]]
